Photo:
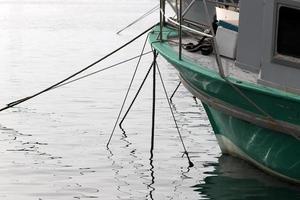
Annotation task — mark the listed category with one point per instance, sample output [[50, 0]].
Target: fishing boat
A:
[[242, 60]]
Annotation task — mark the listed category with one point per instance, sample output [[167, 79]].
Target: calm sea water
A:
[[53, 147]]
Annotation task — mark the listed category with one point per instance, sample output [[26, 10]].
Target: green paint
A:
[[278, 104], [276, 151]]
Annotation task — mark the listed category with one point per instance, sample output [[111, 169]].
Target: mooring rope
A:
[[135, 97], [101, 70], [191, 164], [126, 95], [175, 91], [12, 104], [90, 74]]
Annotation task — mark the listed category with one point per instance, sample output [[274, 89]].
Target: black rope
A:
[[101, 70], [87, 75], [175, 91], [126, 96], [75, 74], [191, 164], [153, 100], [135, 97]]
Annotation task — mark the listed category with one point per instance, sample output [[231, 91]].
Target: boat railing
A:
[[191, 30], [218, 3], [182, 27]]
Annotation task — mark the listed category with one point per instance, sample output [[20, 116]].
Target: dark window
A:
[[288, 35]]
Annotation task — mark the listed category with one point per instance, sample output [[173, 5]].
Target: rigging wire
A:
[[140, 18], [12, 104]]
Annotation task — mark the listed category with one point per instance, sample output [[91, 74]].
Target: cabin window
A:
[[288, 34]]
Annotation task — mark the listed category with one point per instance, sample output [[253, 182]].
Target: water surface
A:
[[53, 146]]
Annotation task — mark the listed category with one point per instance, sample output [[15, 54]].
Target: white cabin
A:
[[267, 41]]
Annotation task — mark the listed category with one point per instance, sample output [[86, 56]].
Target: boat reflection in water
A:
[[236, 179]]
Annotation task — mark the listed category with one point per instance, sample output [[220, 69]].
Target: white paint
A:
[[227, 42]]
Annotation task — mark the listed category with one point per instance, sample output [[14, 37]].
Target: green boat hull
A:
[[254, 122], [274, 152]]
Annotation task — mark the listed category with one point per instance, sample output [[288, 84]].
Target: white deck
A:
[[229, 66]]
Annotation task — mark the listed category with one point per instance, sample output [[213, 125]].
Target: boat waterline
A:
[[243, 139], [230, 148], [268, 139]]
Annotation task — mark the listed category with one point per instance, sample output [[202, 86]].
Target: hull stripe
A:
[[275, 125]]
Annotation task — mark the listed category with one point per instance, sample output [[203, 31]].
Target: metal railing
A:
[[191, 30], [182, 27], [270, 119]]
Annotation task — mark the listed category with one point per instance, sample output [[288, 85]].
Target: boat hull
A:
[[271, 151], [254, 122], [274, 152]]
